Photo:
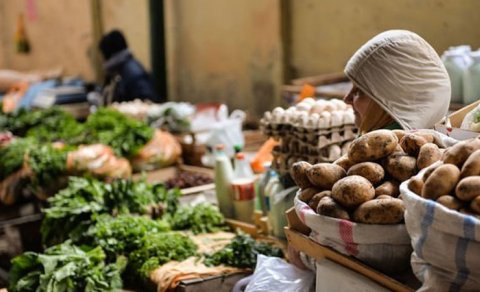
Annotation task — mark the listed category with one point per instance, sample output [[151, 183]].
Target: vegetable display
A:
[[74, 209], [362, 185], [66, 267], [242, 253]]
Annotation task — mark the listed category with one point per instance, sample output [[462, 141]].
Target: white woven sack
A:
[[446, 244], [384, 247]]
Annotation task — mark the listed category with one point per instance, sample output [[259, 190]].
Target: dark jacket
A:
[[126, 79]]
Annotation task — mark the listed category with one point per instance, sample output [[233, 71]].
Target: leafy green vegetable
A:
[[125, 135], [123, 234], [45, 125], [202, 218], [47, 164], [66, 267], [242, 253], [71, 210], [12, 156], [158, 249], [126, 196]]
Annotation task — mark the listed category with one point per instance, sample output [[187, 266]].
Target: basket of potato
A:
[[352, 205], [443, 219]]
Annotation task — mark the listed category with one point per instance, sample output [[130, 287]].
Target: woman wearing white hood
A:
[[399, 82]]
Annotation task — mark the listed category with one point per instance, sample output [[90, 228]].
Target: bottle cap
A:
[[219, 147], [237, 148], [240, 156]]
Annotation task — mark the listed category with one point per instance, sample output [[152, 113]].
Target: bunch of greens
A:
[[74, 209], [66, 267], [123, 234], [159, 248], [12, 156], [71, 211], [242, 253], [47, 164], [202, 218], [126, 196], [45, 125], [110, 127]]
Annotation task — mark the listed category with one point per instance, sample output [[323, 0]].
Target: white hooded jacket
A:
[[405, 76]]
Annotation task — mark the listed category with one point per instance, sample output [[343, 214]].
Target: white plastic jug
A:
[[455, 64], [471, 80]]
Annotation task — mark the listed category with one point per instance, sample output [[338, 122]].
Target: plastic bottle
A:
[[261, 185], [243, 189], [455, 64], [223, 178], [471, 80]]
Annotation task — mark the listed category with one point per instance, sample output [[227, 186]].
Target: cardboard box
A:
[[300, 241], [450, 126]]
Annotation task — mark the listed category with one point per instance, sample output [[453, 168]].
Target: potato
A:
[[372, 146], [400, 166], [429, 154], [471, 165], [475, 205], [378, 211], [344, 162], [416, 185], [299, 174], [307, 194], [324, 175], [352, 191], [458, 153], [441, 182], [328, 207], [370, 170], [426, 134], [389, 188], [383, 197], [317, 197], [468, 188], [450, 202], [399, 134], [411, 143], [428, 172]]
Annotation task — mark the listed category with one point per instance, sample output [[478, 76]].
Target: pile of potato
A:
[[363, 185], [455, 183]]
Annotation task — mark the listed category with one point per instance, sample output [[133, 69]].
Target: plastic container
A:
[[471, 80], [243, 185], [455, 64], [223, 178]]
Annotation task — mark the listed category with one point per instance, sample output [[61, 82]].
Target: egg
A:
[[304, 107]]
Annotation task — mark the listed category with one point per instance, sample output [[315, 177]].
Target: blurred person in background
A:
[[125, 77]]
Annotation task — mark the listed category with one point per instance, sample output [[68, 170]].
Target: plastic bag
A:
[[161, 151], [472, 120], [275, 274]]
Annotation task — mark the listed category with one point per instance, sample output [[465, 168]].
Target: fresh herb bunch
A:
[[242, 253], [66, 267], [13, 156], [110, 127], [123, 234], [201, 218], [126, 196], [158, 249], [47, 164], [71, 211]]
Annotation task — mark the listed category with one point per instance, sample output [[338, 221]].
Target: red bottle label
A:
[[243, 190]]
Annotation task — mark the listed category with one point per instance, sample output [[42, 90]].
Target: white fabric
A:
[[446, 244], [384, 247], [405, 76]]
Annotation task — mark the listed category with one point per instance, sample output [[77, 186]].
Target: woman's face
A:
[[359, 101]]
